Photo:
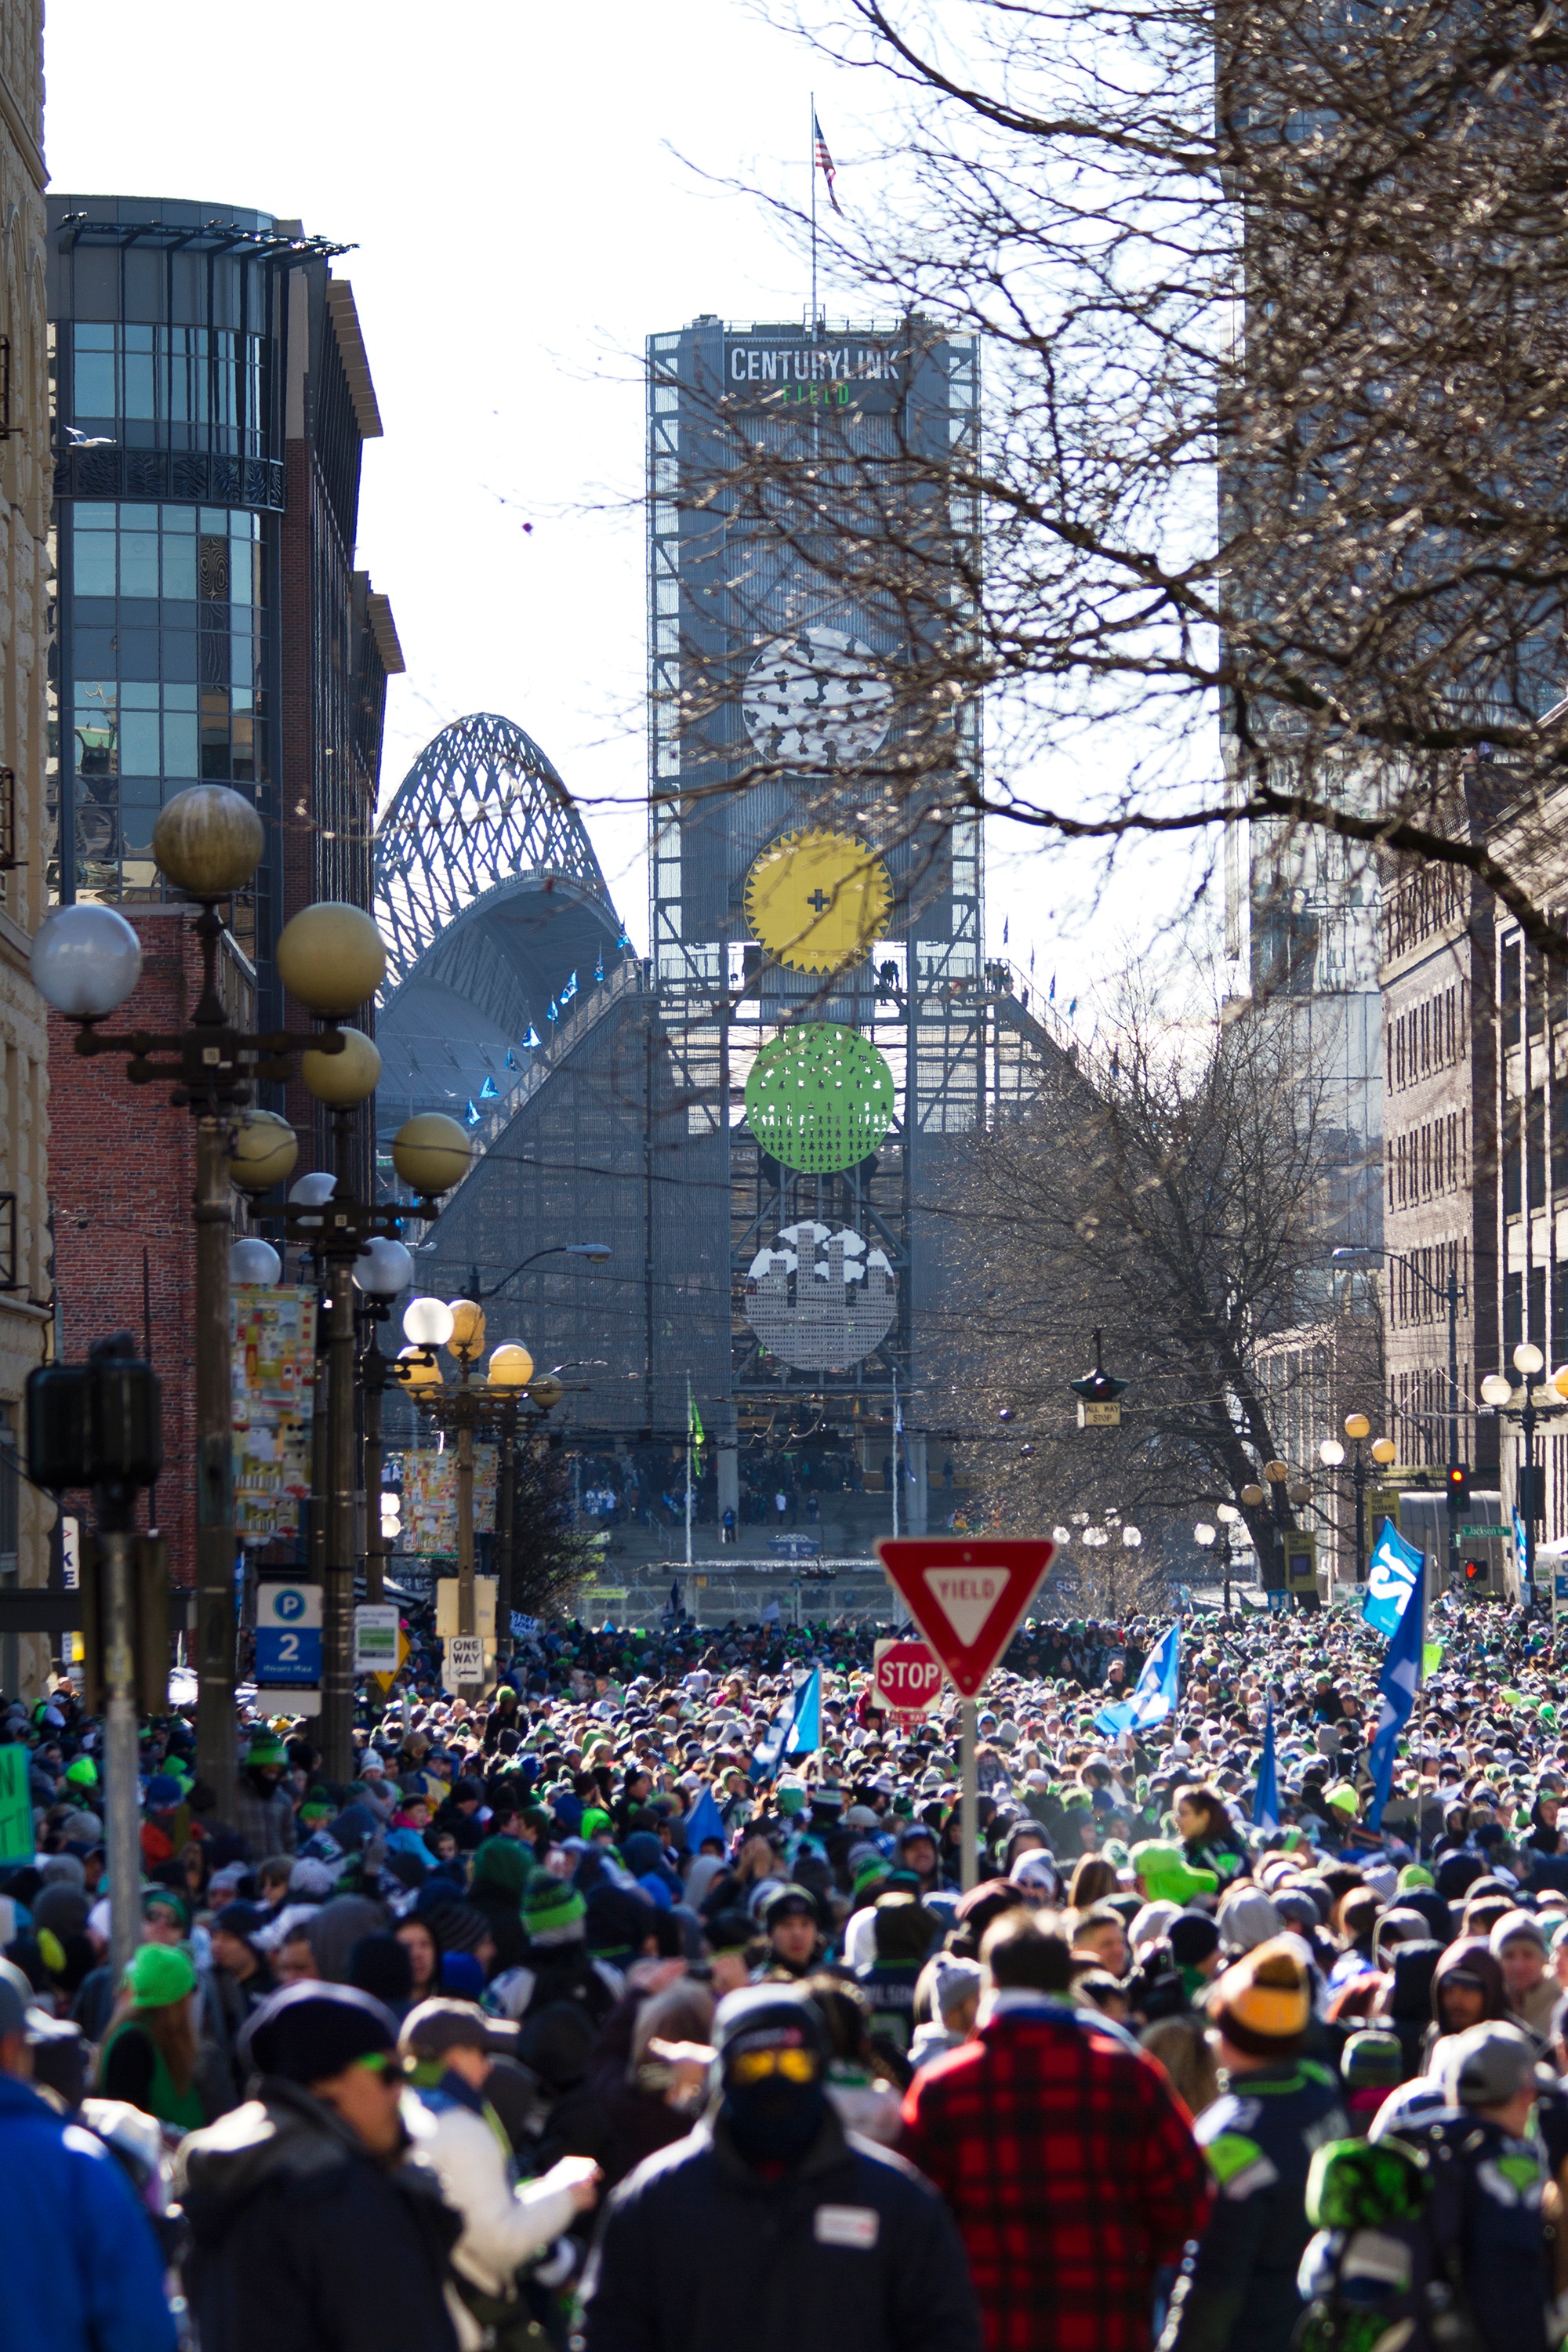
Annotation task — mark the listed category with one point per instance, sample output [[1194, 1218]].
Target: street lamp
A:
[[1454, 1295], [384, 1268], [1331, 1455], [431, 1154], [85, 961], [1496, 1391], [596, 1253]]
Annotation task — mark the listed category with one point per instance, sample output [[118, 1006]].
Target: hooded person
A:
[[854, 2246], [1404, 2005], [263, 1815], [313, 2224], [1467, 1990], [503, 1867]]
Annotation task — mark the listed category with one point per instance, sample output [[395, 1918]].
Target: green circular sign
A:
[[819, 1098]]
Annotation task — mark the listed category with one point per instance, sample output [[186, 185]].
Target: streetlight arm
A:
[[1399, 1257], [557, 1249]]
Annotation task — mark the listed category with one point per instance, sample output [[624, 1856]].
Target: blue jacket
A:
[[81, 2269]]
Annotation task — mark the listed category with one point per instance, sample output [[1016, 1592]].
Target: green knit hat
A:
[[553, 1912], [159, 1974], [1166, 1875], [1415, 1874], [265, 1750], [870, 1872], [596, 1822]]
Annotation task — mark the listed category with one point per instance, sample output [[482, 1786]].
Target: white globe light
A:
[[1061, 1534], [427, 1322], [1332, 1452], [383, 1269], [311, 1191], [1132, 1537], [85, 960], [1204, 1533], [253, 1260], [1527, 1358], [1496, 1389], [1227, 1514]]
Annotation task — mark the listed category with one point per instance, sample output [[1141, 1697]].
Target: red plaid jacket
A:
[[1072, 2169]]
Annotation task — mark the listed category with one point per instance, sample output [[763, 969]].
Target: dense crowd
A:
[[578, 2016]]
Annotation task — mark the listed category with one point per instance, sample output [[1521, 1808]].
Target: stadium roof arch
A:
[[495, 913]]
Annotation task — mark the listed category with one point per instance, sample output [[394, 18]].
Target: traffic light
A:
[[391, 1516], [1458, 1489], [1477, 1576]]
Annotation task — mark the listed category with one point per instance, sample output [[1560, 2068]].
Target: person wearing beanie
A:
[[1061, 2149], [312, 2224], [1162, 1874], [151, 2053], [240, 1979], [263, 1813], [1276, 2107], [83, 2272], [793, 1926], [558, 1965], [769, 2194], [449, 2047], [1518, 1944]]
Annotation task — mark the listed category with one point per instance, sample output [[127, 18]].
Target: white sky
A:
[[511, 174]]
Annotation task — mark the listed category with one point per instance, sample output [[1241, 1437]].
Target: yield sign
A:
[[966, 1593]]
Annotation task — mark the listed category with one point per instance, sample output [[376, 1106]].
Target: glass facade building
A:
[[212, 397]]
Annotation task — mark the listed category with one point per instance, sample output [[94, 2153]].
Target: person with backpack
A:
[[1237, 2291], [1432, 2236]]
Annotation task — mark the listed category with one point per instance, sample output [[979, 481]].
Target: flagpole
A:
[[688, 1469], [811, 150], [897, 1427]]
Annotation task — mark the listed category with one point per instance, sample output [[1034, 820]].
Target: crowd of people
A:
[[581, 2017]]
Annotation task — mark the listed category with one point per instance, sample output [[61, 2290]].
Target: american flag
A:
[[824, 165]]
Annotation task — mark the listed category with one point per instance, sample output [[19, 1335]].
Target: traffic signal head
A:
[[391, 1512], [1458, 1486], [1477, 1575]]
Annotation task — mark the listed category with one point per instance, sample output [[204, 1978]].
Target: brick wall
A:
[[123, 1169]]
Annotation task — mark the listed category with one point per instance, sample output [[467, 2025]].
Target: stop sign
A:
[[905, 1676]]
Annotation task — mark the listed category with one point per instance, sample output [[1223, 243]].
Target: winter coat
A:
[[82, 2272], [264, 1817], [1073, 2168], [1238, 2292], [502, 2226], [303, 2238], [852, 2252]]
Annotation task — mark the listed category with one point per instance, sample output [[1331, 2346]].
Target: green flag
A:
[[694, 1422], [1431, 1658], [15, 1806]]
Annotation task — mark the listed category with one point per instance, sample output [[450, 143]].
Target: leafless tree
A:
[[1168, 1196], [1272, 301]]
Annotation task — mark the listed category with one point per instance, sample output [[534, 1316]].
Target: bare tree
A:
[[1272, 298], [1171, 1197]]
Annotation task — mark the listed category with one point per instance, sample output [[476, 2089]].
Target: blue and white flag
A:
[[1395, 1567], [1266, 1796], [705, 1820], [795, 1732], [1396, 1688], [1153, 1694]]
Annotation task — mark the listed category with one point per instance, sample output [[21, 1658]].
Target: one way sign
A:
[[967, 1594]]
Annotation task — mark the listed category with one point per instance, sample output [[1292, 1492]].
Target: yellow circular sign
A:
[[818, 899]]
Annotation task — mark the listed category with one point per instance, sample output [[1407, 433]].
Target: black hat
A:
[[310, 2032], [785, 1900], [767, 2017], [244, 1920]]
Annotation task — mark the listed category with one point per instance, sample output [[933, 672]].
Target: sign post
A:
[[968, 1595]]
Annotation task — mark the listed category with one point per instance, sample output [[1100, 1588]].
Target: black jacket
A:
[[303, 2239], [854, 2252]]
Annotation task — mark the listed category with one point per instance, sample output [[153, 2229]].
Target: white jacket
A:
[[502, 2226]]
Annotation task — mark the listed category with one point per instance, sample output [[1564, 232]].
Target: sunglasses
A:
[[386, 2070], [755, 2066]]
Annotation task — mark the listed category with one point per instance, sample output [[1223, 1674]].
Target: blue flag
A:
[[1153, 1695], [1266, 1796], [806, 1731], [705, 1820], [1395, 1700], [1394, 1567], [780, 1738]]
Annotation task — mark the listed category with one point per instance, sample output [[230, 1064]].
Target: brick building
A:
[[124, 1173], [1439, 1161], [25, 1517]]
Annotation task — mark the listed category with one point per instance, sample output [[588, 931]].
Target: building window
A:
[[199, 388]]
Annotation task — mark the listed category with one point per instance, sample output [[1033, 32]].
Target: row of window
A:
[[125, 729], [169, 387], [1428, 1160], [183, 554], [1433, 898], [1430, 1036]]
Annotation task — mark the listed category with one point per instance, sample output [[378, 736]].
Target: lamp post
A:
[[431, 1154], [1204, 1533], [383, 1269], [86, 961], [1331, 1455], [1496, 1391], [1454, 1295]]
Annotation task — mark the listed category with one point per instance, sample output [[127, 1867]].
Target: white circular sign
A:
[[818, 699]]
